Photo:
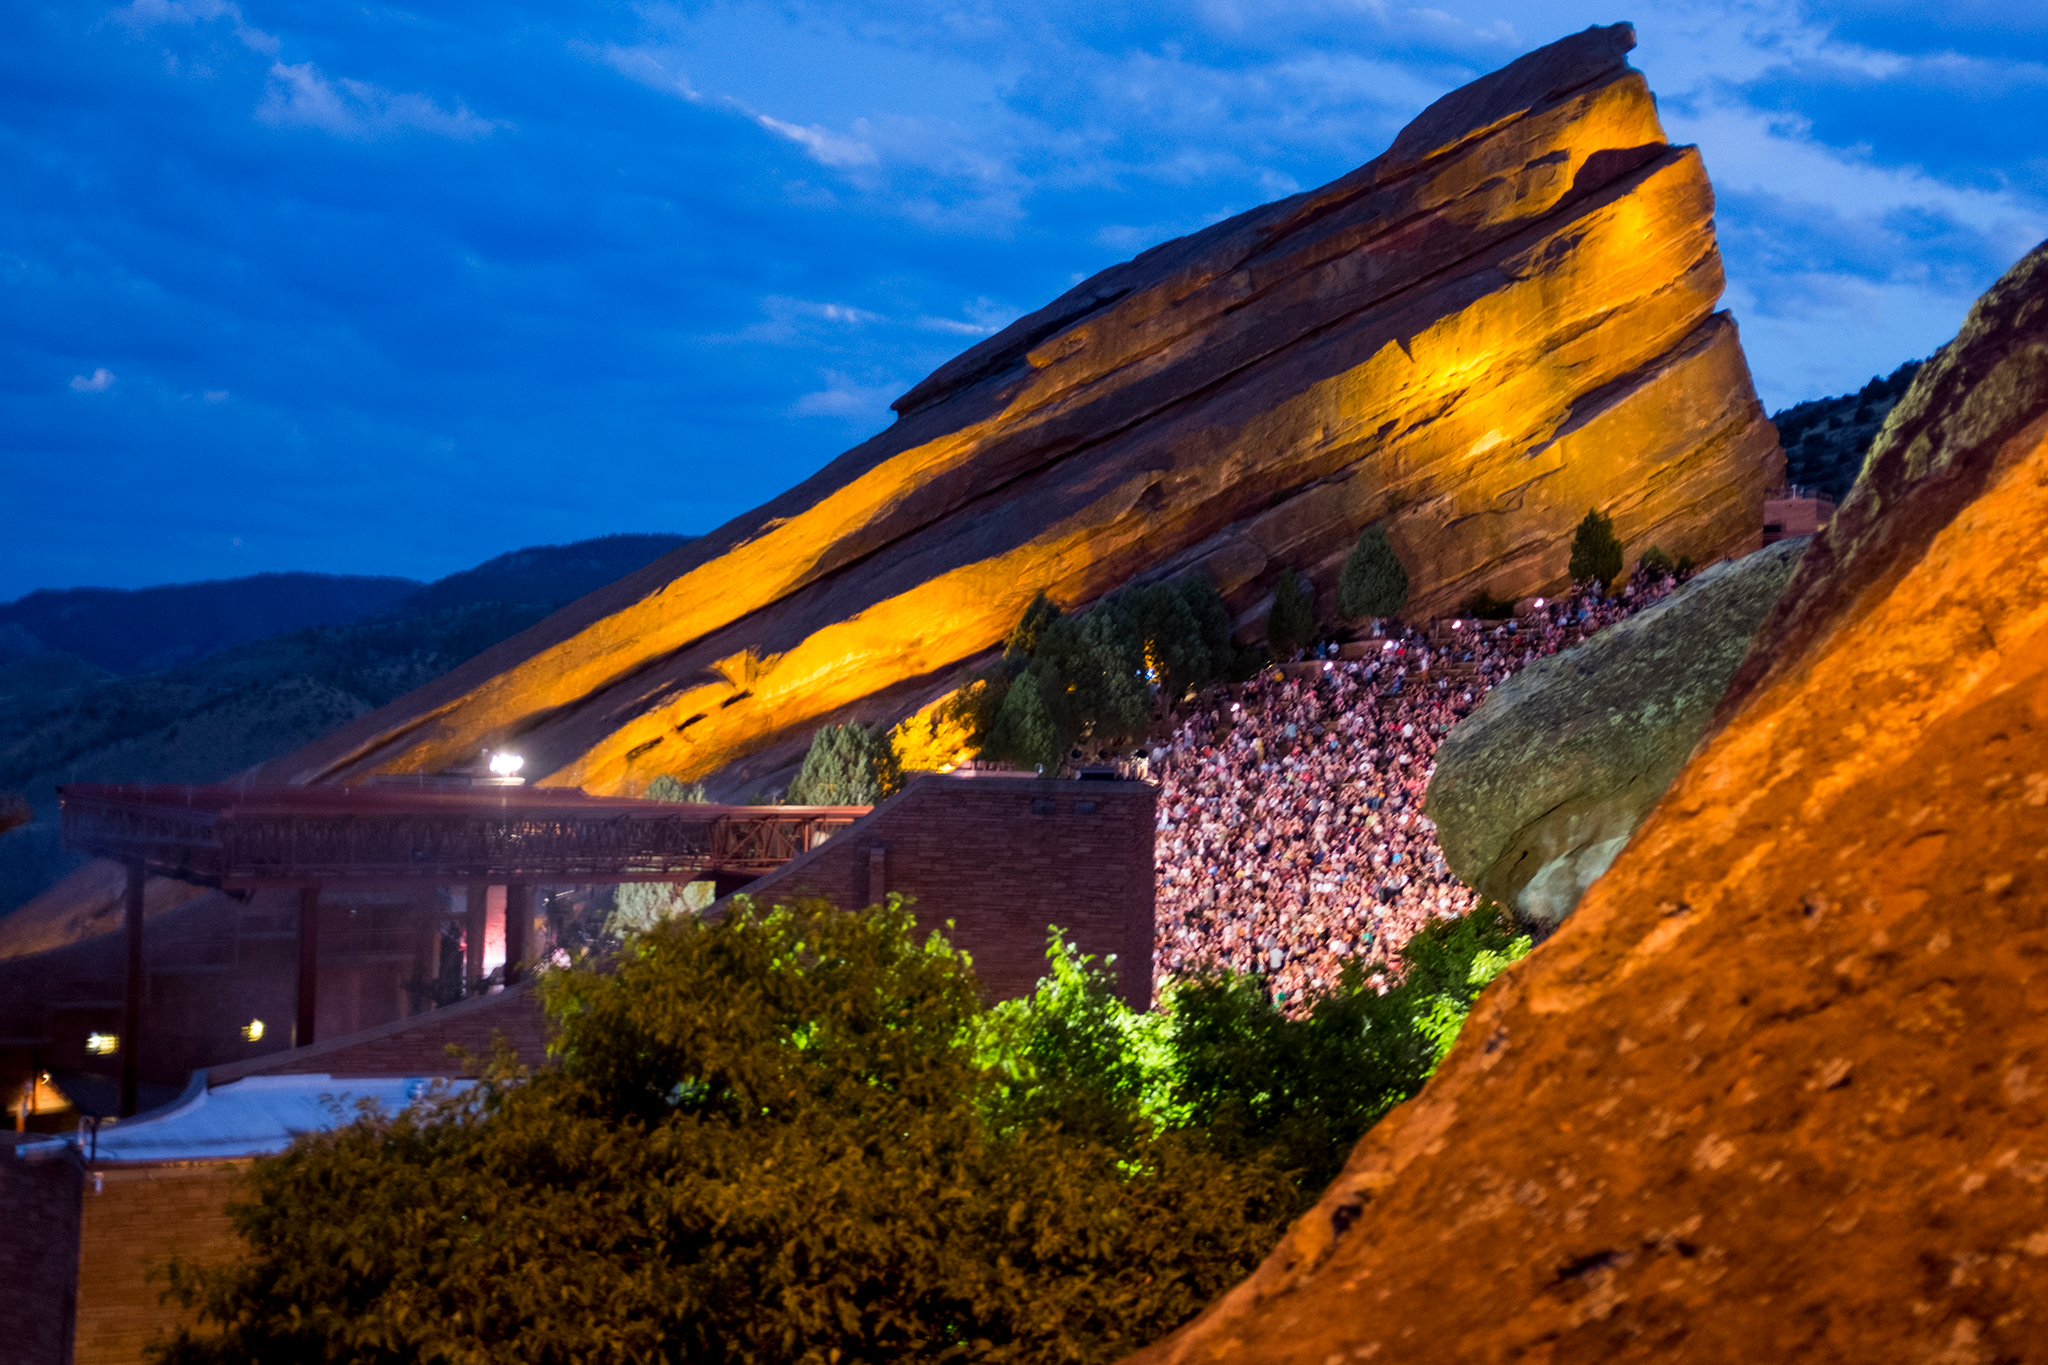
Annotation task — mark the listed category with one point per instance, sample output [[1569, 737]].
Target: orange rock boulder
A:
[[1505, 319], [1778, 1089]]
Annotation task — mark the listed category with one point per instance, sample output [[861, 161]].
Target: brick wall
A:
[[38, 1255], [139, 1218], [1003, 858]]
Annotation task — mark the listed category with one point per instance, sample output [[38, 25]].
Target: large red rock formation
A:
[[1778, 1089], [1503, 320]]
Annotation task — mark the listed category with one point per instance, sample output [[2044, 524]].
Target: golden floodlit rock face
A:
[[1505, 319], [1778, 1089]]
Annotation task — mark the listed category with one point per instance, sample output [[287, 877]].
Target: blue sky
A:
[[390, 289]]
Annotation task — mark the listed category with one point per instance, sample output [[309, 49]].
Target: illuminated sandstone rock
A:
[[1503, 320], [1778, 1089], [1538, 790]]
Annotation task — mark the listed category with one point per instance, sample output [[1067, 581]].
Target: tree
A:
[[1292, 622], [847, 765], [668, 788], [1042, 612], [639, 906], [1025, 731], [1596, 554], [777, 1138], [1372, 582]]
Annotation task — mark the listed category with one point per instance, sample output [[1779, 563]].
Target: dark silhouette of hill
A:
[[1825, 439], [64, 718], [151, 630], [541, 573], [147, 630]]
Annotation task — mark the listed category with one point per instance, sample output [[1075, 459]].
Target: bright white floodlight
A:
[[507, 765]]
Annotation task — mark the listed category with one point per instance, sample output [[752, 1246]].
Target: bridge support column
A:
[[309, 965], [518, 929], [131, 991], [476, 925]]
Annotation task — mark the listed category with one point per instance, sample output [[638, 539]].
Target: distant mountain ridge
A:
[[134, 631], [67, 718], [147, 630]]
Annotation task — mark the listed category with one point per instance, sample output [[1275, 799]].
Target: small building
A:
[[1795, 512]]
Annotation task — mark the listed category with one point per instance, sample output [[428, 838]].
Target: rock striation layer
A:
[[1506, 318], [1538, 790], [1778, 1089], [1503, 320]]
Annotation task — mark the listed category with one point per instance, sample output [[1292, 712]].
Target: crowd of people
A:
[[1291, 837]]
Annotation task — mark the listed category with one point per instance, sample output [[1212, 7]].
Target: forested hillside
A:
[[64, 718]]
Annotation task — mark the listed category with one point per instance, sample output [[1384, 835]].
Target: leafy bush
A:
[[1596, 554], [769, 1139], [1372, 582], [798, 1135], [847, 765], [1292, 623], [1655, 561]]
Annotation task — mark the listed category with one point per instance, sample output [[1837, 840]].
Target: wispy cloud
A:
[[99, 381], [146, 14], [302, 95], [826, 147]]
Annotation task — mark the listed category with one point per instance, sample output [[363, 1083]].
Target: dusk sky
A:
[[391, 289]]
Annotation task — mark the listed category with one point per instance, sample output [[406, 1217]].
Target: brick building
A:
[[1002, 858]]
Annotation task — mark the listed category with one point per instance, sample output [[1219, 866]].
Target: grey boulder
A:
[[1538, 790]]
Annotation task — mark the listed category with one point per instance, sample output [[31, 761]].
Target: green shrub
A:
[[847, 765], [1292, 623], [769, 1139], [1596, 554], [1372, 582], [1655, 561], [667, 788]]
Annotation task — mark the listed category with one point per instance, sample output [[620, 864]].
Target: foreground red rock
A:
[[1777, 1089]]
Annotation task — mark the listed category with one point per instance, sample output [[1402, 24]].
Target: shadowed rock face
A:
[[1538, 790], [1505, 319], [1778, 1089]]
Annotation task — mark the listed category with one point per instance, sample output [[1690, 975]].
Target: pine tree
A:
[[1025, 731], [847, 765], [1292, 622], [1372, 583], [1596, 554]]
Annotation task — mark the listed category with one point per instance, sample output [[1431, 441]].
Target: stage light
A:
[[102, 1044], [507, 765], [252, 1032]]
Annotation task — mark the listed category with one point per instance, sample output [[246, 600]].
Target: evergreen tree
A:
[[1596, 554], [1292, 623], [847, 765], [1212, 619], [639, 906], [1372, 583], [1042, 612], [1025, 731]]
